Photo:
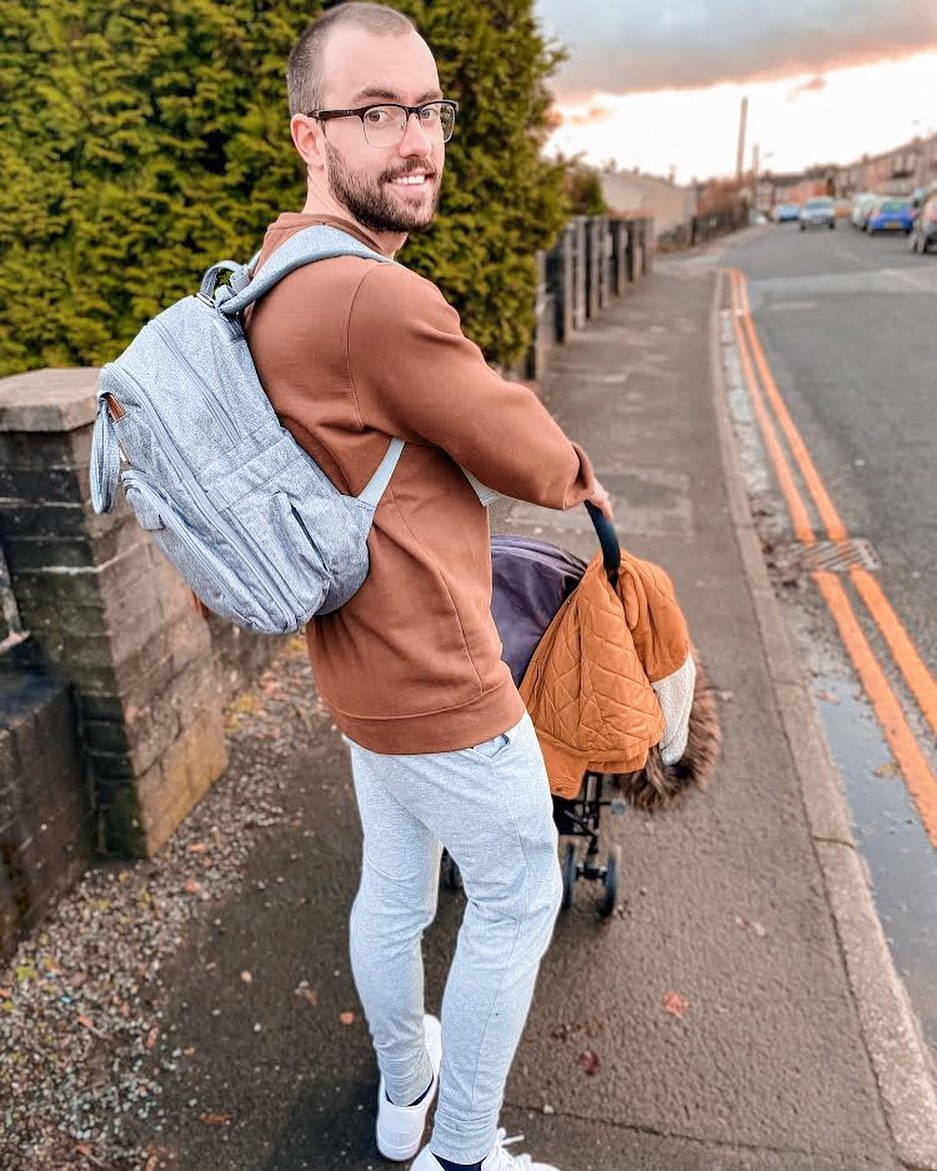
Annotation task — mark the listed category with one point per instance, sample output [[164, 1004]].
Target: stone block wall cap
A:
[[49, 399]]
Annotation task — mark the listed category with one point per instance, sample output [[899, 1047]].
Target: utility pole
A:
[[755, 160], [740, 160]]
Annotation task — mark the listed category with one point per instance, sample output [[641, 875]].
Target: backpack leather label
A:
[[116, 410]]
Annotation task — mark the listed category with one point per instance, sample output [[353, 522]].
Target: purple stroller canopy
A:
[[531, 580]]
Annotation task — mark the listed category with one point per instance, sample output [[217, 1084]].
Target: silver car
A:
[[862, 205], [818, 213]]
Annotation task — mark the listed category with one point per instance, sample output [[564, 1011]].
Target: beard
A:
[[371, 202]]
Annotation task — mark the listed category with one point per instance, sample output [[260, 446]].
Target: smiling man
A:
[[353, 352]]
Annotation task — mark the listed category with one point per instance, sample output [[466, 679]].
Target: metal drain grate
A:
[[840, 556]]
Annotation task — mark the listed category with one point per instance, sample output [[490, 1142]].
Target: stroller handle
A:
[[608, 539]]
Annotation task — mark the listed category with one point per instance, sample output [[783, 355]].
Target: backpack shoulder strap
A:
[[378, 483], [320, 242]]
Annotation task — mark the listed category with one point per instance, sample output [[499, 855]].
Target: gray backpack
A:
[[246, 516]]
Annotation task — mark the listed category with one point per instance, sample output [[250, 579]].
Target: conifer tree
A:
[[139, 144]]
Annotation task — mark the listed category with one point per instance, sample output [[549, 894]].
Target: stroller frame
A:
[[578, 817]]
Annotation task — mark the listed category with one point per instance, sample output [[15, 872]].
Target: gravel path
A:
[[80, 1001]]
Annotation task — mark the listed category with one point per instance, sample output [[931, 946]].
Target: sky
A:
[[657, 84]]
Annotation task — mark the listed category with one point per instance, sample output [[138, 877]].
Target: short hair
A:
[[304, 69]]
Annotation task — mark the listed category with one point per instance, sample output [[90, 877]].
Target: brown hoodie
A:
[[351, 353]]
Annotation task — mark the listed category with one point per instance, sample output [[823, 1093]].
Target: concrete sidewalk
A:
[[765, 1065]]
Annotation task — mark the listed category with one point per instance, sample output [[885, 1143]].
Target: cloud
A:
[[589, 117], [681, 44], [814, 85]]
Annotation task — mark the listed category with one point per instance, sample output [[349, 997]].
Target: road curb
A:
[[898, 1055]]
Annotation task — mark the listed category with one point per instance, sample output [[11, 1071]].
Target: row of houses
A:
[[899, 171], [895, 172]]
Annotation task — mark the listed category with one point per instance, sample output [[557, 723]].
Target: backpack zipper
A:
[[214, 406], [196, 491]]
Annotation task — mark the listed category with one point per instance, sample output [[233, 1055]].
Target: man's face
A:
[[390, 188]]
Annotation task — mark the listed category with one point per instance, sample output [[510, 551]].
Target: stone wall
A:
[[108, 615], [46, 835]]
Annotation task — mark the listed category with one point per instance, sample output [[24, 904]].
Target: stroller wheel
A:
[[570, 874], [612, 864], [451, 878]]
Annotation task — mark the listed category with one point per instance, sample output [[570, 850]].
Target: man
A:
[[351, 353]]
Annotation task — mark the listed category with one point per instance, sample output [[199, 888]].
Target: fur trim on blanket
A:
[[659, 786]]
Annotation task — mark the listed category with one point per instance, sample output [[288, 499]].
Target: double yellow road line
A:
[[773, 416]]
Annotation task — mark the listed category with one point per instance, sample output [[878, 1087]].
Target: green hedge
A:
[[139, 144]]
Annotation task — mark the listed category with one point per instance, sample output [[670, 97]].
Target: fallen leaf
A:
[[589, 1062], [347, 1018], [192, 887], [154, 1155], [752, 925], [887, 770], [592, 1027], [675, 1004], [88, 1023], [247, 977], [151, 1037], [5, 993], [86, 1150], [828, 696], [198, 847], [215, 1119]]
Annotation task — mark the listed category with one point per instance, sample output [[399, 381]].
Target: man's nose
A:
[[415, 140]]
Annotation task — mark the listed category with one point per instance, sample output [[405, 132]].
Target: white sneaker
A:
[[498, 1159], [400, 1128]]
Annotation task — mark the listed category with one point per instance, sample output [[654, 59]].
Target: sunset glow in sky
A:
[[658, 86]]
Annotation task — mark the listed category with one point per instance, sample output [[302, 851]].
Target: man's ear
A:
[[309, 141]]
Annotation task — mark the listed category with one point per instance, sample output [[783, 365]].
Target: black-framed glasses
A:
[[386, 124]]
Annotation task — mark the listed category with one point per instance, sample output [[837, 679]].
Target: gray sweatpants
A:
[[490, 807]]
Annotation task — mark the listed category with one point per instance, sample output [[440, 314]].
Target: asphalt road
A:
[[847, 323]]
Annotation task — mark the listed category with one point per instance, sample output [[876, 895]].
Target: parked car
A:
[[786, 213], [921, 195], [890, 215], [861, 208], [924, 232], [818, 213]]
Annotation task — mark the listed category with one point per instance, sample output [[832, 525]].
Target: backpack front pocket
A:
[[223, 590]]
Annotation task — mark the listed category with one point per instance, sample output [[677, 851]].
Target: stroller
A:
[[531, 581]]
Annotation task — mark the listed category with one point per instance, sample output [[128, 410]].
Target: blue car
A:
[[786, 213], [891, 215]]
